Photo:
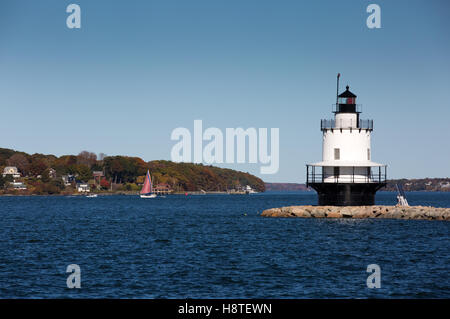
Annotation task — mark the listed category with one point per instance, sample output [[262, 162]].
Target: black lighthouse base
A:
[[346, 194]]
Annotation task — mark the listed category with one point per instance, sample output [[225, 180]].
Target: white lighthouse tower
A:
[[346, 176]]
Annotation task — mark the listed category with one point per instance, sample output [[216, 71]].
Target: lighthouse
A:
[[346, 176]]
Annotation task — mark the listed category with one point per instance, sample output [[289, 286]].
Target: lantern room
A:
[[346, 102]]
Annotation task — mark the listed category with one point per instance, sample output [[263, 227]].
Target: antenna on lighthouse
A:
[[337, 88]]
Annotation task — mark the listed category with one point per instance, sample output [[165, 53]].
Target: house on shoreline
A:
[[12, 171], [68, 179], [18, 185], [162, 189], [83, 188], [98, 176]]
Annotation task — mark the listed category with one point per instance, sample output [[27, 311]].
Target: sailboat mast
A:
[[151, 182]]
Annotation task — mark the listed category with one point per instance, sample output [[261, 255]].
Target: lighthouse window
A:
[[351, 100], [337, 154], [368, 154], [346, 100]]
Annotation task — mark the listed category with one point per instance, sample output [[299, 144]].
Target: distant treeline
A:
[[409, 185], [284, 187], [42, 173], [420, 184]]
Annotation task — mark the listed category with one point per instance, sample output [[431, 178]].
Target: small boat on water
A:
[[147, 188], [249, 190], [91, 195]]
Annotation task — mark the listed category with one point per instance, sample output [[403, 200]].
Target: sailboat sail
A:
[[147, 187]]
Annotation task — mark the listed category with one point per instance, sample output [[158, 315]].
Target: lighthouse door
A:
[[336, 173]]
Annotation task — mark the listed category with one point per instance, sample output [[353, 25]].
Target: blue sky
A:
[[136, 70]]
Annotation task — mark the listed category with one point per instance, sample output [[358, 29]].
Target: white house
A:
[[83, 188], [52, 173], [11, 170], [68, 179], [18, 185]]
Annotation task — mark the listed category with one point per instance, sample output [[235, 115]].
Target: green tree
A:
[[58, 184], [45, 176], [84, 173], [37, 166]]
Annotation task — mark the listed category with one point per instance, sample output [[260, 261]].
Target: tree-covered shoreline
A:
[[43, 174]]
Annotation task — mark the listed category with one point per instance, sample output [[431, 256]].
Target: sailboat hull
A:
[[148, 196]]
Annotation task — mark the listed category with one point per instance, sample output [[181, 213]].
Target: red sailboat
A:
[[147, 188]]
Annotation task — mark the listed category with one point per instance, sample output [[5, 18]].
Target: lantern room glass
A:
[[347, 100]]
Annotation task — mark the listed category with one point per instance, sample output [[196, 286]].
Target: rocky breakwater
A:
[[395, 212]]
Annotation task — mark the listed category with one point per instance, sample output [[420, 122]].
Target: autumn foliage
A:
[[129, 172]]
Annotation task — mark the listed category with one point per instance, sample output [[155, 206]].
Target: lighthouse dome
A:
[[347, 93]]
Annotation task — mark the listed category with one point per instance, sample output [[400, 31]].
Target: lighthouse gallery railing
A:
[[336, 107], [314, 174], [346, 124]]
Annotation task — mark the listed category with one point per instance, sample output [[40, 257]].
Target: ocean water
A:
[[215, 246]]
